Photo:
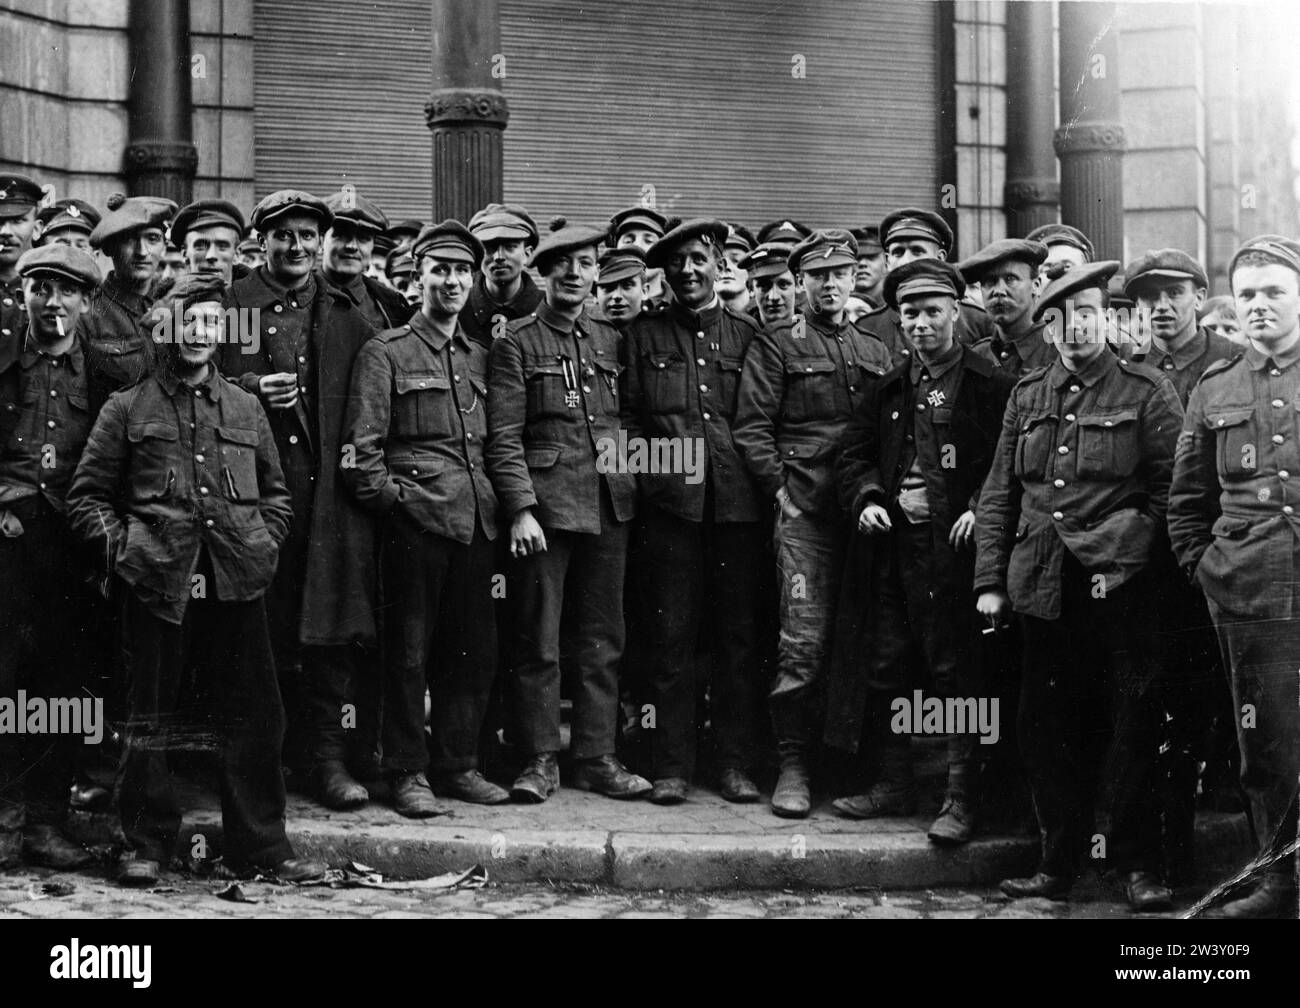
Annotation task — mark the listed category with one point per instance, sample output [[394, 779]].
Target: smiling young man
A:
[[45, 417], [323, 600], [180, 485], [554, 395], [208, 232], [349, 244], [800, 384], [503, 291], [1005, 271], [733, 278], [418, 420], [774, 288], [620, 285], [640, 227], [19, 199], [1233, 527], [1068, 519]]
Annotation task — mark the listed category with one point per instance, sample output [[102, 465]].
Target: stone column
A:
[[466, 113], [160, 157], [1090, 139], [1032, 193]]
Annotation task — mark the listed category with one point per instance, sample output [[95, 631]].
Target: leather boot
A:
[[413, 798], [336, 788], [955, 823], [892, 794], [792, 798], [46, 846]]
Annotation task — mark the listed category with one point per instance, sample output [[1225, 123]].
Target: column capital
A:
[[1081, 137], [477, 106]]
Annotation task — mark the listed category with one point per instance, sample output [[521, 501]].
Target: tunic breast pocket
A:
[[238, 447], [810, 388], [1108, 445], [420, 404], [607, 376], [665, 382], [153, 459], [729, 381], [1035, 446], [545, 388], [1236, 441]]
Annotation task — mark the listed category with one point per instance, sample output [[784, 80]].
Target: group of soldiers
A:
[[374, 494]]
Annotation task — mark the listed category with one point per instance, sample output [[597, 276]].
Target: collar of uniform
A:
[[1184, 355], [1091, 373], [211, 384], [823, 325], [555, 320], [115, 290], [1023, 342], [273, 291], [355, 289], [420, 325], [482, 304], [940, 367], [73, 356], [1258, 360], [706, 316]]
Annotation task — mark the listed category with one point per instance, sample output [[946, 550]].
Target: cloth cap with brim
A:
[[203, 214], [250, 245], [710, 232], [65, 261], [68, 213], [783, 232], [504, 222], [19, 195], [565, 239], [384, 245], [868, 240], [1164, 264], [824, 250], [405, 229], [620, 264], [1062, 234], [398, 262], [450, 241], [914, 222], [637, 217], [357, 210], [127, 214], [922, 278], [770, 259], [1031, 253], [1089, 276], [291, 201], [191, 289], [740, 237], [1283, 251]]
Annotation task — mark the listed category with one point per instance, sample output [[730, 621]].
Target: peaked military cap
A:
[[68, 213], [620, 263], [18, 195], [768, 260], [1022, 250], [127, 214], [1062, 234], [913, 222], [922, 278], [357, 211], [410, 228], [1169, 263], [740, 238], [707, 230], [868, 240], [784, 232], [1080, 278], [451, 240], [398, 262], [503, 221], [66, 261], [284, 201], [637, 217], [824, 250], [205, 213], [1283, 251]]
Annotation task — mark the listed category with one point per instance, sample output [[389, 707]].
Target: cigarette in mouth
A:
[[58, 321]]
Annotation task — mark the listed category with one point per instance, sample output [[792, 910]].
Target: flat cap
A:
[[66, 261], [637, 217], [707, 230], [922, 278], [127, 214], [768, 260], [1022, 250], [868, 240], [913, 222], [68, 213], [508, 221], [398, 262], [1062, 234], [349, 205], [739, 237], [191, 289], [250, 244], [284, 201], [824, 250], [384, 244], [784, 232], [620, 263], [1283, 251], [565, 238], [1165, 264], [409, 228], [205, 213], [18, 195], [451, 240], [1080, 278]]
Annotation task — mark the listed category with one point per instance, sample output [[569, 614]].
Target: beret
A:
[[357, 211], [1171, 263], [205, 213], [1015, 249], [127, 214], [284, 201], [784, 232], [565, 238], [1062, 234], [620, 263], [637, 217], [922, 277], [824, 250], [68, 213], [707, 230], [18, 195], [1080, 278], [913, 222], [868, 240], [508, 221], [1283, 251], [451, 241], [739, 237], [397, 262], [66, 261], [768, 260]]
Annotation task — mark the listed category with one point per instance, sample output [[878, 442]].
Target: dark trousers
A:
[[42, 612], [228, 644], [582, 574], [1263, 657], [439, 631], [701, 579], [1090, 702]]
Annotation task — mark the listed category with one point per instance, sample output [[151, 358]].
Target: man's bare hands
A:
[[279, 391], [787, 506], [526, 535], [874, 519], [963, 531], [993, 606]]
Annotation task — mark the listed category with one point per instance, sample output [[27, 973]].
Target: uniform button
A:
[[279, 308], [1074, 388], [1070, 417], [920, 407], [54, 394], [6, 332], [271, 330], [471, 467], [302, 360], [1058, 483], [1169, 365], [1057, 515], [853, 388], [469, 436], [1004, 355], [707, 416], [1287, 509], [790, 452], [585, 388], [1277, 438], [49, 423], [699, 361], [1283, 474], [293, 438], [893, 415], [209, 523], [907, 353], [1063, 450], [455, 377], [699, 335], [1278, 404], [8, 302], [203, 491], [1109, 423], [198, 392], [1275, 372], [42, 486], [302, 389], [591, 418], [704, 388], [198, 458], [421, 384], [415, 472], [1220, 421]]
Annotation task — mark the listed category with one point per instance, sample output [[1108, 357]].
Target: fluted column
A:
[[1032, 194], [160, 157]]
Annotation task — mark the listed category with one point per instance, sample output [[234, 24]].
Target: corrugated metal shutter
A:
[[697, 100]]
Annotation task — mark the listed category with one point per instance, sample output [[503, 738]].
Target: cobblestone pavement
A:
[[21, 896]]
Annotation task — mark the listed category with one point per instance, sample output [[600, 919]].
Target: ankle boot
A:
[[792, 798]]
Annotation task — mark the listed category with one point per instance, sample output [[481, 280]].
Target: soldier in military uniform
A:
[[641, 227], [801, 383], [911, 233], [555, 408], [502, 291], [733, 280], [19, 197], [1067, 247], [69, 221], [399, 269], [869, 283], [208, 231], [402, 235], [348, 244], [418, 420], [1004, 272], [45, 417], [620, 285], [914, 457], [774, 287], [251, 255], [1232, 521], [1067, 520]]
